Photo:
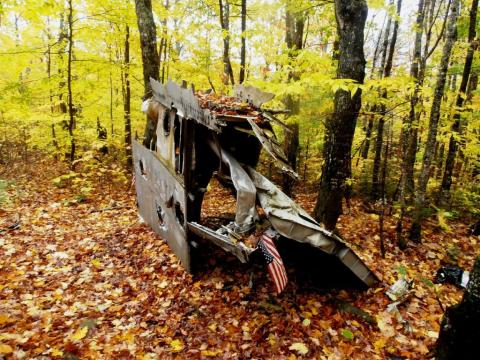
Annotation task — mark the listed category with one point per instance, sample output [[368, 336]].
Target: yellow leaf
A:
[[5, 349], [301, 348], [80, 333], [96, 263], [210, 352], [380, 343], [4, 319], [56, 352], [176, 345]]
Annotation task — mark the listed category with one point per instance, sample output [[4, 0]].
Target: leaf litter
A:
[[76, 282]]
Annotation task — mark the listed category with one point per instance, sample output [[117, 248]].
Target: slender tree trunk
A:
[[368, 135], [369, 127], [71, 110], [456, 127], [294, 28], [291, 146], [126, 100], [387, 63], [415, 230], [162, 51], [351, 16], [244, 42], [224, 6], [150, 59], [410, 127]]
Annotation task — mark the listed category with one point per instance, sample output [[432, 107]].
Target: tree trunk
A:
[[148, 41], [291, 145], [459, 331], [415, 230], [225, 24], [387, 62], [244, 42], [368, 135], [162, 50], [150, 59], [126, 100], [410, 128], [456, 127], [294, 28], [71, 110], [351, 16]]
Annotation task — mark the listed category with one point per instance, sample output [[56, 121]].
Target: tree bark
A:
[[150, 59], [415, 230], [225, 25], [243, 48], [340, 128], [71, 110], [148, 41], [456, 127], [410, 128], [459, 330], [294, 28], [387, 63], [291, 146], [126, 100]]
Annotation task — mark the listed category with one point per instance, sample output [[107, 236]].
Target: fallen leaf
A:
[[5, 349], [301, 348], [80, 333], [347, 334], [176, 345]]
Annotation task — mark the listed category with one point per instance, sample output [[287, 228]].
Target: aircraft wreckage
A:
[[195, 136]]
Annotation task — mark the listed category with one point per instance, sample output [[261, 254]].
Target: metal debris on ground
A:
[[201, 135]]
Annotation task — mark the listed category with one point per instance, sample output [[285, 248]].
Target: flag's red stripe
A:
[[276, 268], [278, 276], [272, 249], [274, 278], [283, 276]]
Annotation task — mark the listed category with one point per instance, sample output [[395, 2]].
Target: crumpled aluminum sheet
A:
[[252, 95], [292, 222], [171, 95], [273, 149], [288, 218], [246, 212]]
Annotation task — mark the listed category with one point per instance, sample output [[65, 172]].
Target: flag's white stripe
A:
[[272, 249], [277, 278], [283, 275], [271, 270]]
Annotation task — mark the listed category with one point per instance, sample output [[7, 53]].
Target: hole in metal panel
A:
[[142, 168], [166, 123], [160, 216], [179, 214], [177, 139]]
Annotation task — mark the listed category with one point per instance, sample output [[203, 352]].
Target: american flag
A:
[[275, 265]]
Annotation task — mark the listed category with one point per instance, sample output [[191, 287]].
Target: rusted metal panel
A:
[[161, 200]]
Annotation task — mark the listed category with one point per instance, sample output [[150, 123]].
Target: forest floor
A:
[[82, 278]]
